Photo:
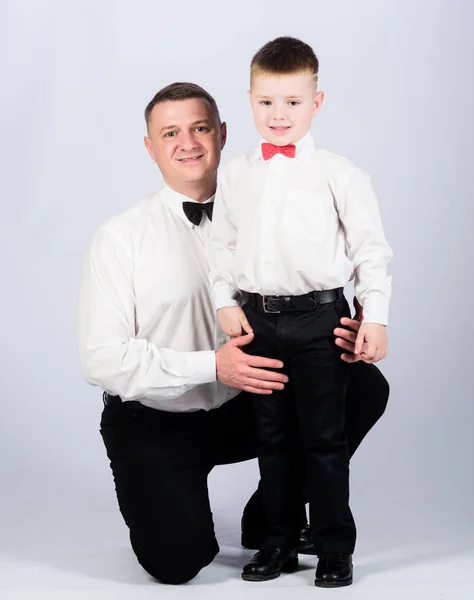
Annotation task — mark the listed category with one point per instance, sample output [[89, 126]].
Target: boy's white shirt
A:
[[288, 226]]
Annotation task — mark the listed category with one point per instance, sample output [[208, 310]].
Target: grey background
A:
[[76, 77]]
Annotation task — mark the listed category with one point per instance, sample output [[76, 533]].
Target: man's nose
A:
[[188, 141]]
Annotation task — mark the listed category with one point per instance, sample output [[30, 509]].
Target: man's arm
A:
[[118, 362], [111, 356]]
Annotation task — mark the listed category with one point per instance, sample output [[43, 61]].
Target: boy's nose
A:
[[278, 113]]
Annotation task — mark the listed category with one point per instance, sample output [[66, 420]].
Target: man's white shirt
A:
[[147, 325]]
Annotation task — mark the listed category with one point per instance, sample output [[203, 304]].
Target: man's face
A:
[[185, 140], [284, 105]]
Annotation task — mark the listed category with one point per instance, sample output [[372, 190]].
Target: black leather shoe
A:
[[334, 570], [306, 545], [269, 563]]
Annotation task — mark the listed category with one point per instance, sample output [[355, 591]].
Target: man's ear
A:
[[149, 147], [223, 135]]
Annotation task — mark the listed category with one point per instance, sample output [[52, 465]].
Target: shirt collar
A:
[[304, 149], [174, 200]]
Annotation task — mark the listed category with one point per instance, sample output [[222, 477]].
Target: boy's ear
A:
[[318, 100], [249, 94]]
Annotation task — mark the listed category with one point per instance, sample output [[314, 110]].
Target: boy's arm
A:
[[221, 248], [366, 245], [111, 356]]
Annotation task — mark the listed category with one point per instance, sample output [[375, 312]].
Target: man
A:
[[148, 337]]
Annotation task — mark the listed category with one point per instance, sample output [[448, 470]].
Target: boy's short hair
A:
[[181, 91], [283, 56]]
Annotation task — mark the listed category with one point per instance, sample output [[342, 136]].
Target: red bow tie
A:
[[269, 150]]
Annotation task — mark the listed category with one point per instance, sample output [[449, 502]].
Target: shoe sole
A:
[[329, 584], [289, 567]]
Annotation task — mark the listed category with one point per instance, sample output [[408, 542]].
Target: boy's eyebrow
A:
[[287, 97]]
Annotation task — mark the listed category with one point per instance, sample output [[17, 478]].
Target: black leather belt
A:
[[304, 303]]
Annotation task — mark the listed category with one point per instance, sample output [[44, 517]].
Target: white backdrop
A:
[[76, 76]]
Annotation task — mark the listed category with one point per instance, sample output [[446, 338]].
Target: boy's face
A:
[[284, 105]]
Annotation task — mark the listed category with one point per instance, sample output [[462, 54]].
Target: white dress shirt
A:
[[147, 325], [288, 226]]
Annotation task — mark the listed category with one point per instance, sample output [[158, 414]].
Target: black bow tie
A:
[[195, 210]]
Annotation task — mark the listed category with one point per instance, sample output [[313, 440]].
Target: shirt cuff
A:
[[375, 310], [225, 295], [202, 367]]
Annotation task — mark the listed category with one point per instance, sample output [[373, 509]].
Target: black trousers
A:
[[160, 463], [301, 429]]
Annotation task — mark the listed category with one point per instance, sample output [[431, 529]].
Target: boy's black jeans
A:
[[306, 417]]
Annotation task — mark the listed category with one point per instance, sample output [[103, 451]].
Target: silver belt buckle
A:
[[267, 310]]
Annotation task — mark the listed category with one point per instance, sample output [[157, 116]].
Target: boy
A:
[[291, 224]]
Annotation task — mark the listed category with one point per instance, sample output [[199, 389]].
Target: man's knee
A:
[[178, 564], [384, 393], [377, 389], [182, 567]]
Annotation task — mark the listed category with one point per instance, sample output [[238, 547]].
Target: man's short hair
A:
[[181, 91], [284, 56]]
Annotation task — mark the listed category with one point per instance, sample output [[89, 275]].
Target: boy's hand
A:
[[233, 320], [371, 343]]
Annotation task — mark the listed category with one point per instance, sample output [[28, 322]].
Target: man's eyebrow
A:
[[168, 127], [206, 121], [171, 127]]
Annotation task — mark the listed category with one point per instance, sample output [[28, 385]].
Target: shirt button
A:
[[223, 341]]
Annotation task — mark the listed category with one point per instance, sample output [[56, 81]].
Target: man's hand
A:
[[346, 337], [237, 369], [371, 343], [232, 320], [359, 314]]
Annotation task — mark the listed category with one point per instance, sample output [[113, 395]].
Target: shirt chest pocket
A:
[[305, 215]]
